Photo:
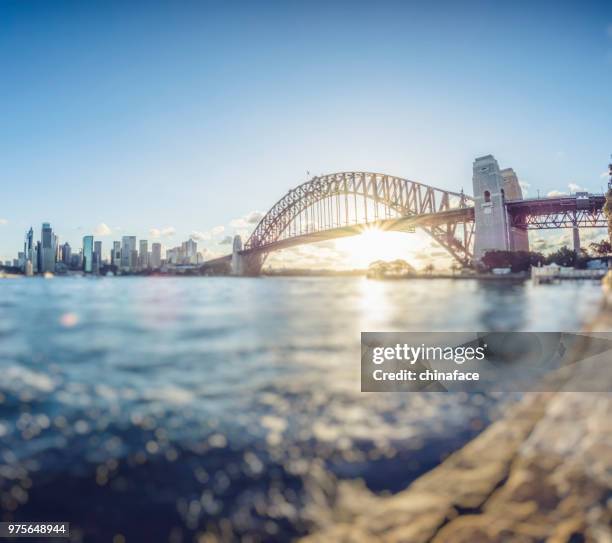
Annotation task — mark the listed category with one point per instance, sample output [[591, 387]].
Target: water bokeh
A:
[[183, 409]]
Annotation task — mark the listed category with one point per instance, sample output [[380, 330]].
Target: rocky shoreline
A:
[[542, 473]]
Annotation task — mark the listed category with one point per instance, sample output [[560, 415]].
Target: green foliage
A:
[[568, 258], [607, 209], [517, 261], [398, 267], [601, 248]]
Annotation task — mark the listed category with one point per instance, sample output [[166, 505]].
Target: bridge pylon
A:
[[493, 228], [244, 264]]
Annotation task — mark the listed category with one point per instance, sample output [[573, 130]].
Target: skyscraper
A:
[[143, 259], [28, 246], [88, 254], [128, 245], [190, 248], [98, 249], [116, 254], [66, 253], [156, 256], [47, 246]]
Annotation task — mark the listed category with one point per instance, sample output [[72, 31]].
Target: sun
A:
[[374, 244]]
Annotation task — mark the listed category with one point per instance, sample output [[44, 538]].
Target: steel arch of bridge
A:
[[343, 199]]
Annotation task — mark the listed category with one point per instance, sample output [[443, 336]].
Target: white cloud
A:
[[249, 220], [227, 240], [3, 221], [200, 236], [102, 230], [167, 232], [572, 187], [555, 193], [207, 235]]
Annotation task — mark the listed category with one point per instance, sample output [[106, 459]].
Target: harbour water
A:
[[157, 409]]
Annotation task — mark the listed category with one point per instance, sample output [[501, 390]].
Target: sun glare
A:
[[374, 244]]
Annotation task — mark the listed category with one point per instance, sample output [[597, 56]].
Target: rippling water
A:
[[162, 408]]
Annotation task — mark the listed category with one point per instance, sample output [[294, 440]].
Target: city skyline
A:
[[182, 122], [50, 254]]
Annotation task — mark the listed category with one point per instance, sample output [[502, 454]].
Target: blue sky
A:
[[175, 118]]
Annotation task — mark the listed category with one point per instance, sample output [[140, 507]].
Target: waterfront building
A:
[[66, 253], [156, 256], [143, 259], [36, 260], [76, 261], [98, 250], [28, 246], [128, 246], [88, 250], [134, 260], [190, 251], [47, 256], [116, 254], [57, 247]]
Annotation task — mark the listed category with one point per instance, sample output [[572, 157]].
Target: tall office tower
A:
[[134, 260], [128, 244], [28, 246], [88, 251], [156, 256], [47, 241], [98, 253], [66, 253], [190, 248], [36, 258], [58, 248], [116, 254], [97, 257], [143, 254]]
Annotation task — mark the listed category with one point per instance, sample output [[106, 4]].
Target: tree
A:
[[430, 268], [601, 248], [607, 208], [563, 257], [517, 261]]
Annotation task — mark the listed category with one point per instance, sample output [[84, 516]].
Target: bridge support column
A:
[[576, 238], [490, 215], [244, 264]]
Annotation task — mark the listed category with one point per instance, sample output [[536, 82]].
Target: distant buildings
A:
[[187, 253], [48, 255]]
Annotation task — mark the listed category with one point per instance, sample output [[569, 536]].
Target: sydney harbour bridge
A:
[[346, 203]]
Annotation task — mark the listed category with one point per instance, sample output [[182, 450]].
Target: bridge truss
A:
[[341, 201], [560, 212]]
